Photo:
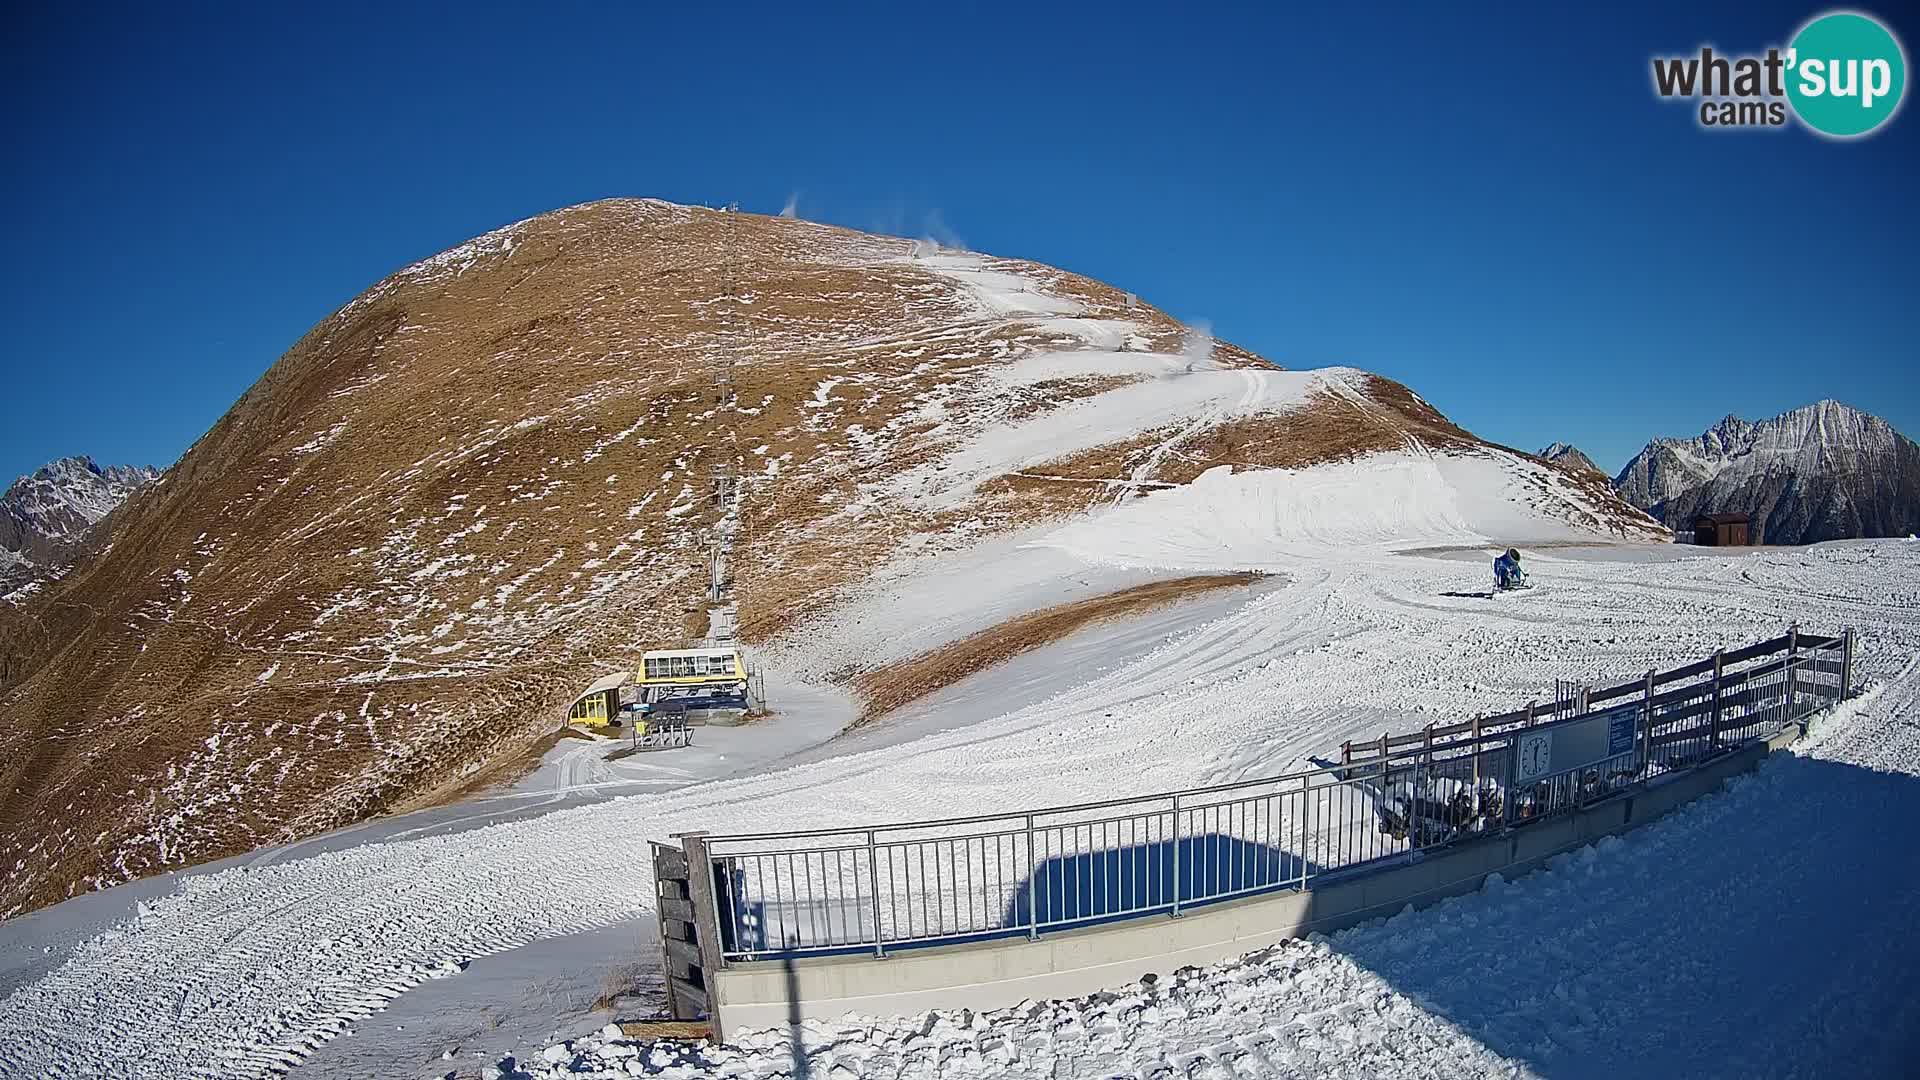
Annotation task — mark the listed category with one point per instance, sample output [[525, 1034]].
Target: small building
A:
[[1721, 530], [599, 705]]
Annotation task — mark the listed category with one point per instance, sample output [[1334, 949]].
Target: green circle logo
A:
[[1846, 74]]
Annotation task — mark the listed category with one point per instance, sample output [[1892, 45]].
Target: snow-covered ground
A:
[[1766, 930], [245, 969]]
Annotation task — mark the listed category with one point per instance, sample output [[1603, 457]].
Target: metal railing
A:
[[1027, 872]]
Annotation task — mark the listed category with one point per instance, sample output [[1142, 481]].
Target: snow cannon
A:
[[1507, 574]]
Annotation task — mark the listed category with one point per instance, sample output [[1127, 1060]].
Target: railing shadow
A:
[[1079, 888], [1764, 930]]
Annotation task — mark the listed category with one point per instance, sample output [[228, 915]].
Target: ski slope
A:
[[245, 970]]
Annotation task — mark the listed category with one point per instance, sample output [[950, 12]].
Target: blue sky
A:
[[1490, 206]]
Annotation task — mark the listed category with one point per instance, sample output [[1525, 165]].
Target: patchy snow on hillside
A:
[[1179, 399], [996, 291]]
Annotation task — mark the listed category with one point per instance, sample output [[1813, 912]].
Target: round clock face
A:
[[1536, 755]]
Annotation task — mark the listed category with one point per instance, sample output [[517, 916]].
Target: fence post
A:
[[706, 918], [1713, 726], [1531, 706], [1306, 815], [1646, 745], [1476, 759], [873, 878], [1846, 664], [1513, 777], [1793, 668], [1415, 806], [1346, 753], [1033, 887], [1176, 857]]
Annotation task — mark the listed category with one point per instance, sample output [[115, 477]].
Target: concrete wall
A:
[[1002, 972]]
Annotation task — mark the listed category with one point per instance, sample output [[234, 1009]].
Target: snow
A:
[[1043, 367], [55, 505], [1263, 520], [299, 948], [1202, 397], [1634, 956], [997, 293]]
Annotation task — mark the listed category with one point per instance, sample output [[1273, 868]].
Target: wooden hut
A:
[[1721, 530]]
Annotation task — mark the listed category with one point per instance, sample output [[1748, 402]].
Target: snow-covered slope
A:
[[1822, 472], [1615, 961], [240, 971], [1569, 456], [46, 514], [489, 480], [1268, 519]]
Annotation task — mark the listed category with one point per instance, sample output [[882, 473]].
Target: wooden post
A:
[[706, 921], [1713, 724], [1793, 666], [1476, 758], [1646, 743], [1383, 762], [1531, 706], [1346, 752], [1846, 664]]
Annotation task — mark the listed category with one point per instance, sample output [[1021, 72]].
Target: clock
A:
[[1535, 755]]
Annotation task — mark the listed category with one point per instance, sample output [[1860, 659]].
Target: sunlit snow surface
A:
[[1652, 954], [1767, 930]]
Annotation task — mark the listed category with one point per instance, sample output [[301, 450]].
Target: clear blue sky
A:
[[1491, 207]]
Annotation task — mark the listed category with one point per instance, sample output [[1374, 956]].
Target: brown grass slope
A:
[[485, 481]]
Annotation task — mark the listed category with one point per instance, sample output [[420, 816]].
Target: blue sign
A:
[[1620, 731]]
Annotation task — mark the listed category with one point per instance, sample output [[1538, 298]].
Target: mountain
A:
[[503, 471], [1822, 472], [46, 515], [1569, 456]]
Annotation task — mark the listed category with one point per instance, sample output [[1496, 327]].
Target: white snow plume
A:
[[1197, 350], [791, 211], [938, 233]]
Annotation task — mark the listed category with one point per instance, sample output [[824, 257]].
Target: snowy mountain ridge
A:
[[1569, 456], [45, 514], [1824, 471]]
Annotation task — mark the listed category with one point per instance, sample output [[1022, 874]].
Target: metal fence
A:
[[1028, 872]]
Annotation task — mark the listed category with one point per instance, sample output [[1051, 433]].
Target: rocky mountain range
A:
[[1823, 472], [46, 515], [1569, 456]]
